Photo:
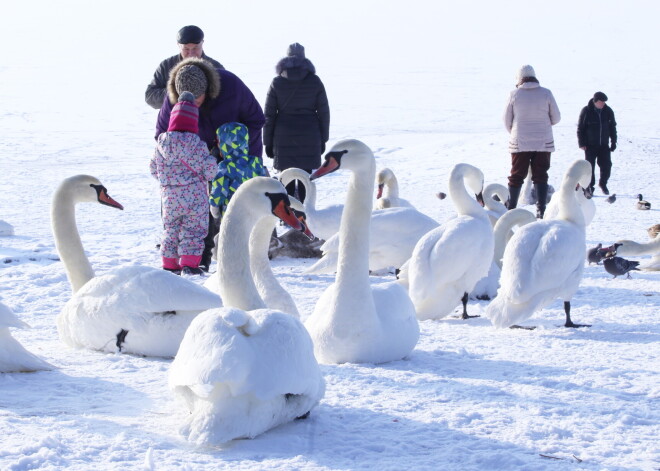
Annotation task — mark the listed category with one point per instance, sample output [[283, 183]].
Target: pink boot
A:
[[171, 264], [190, 264]]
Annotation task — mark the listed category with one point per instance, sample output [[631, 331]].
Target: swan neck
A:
[[464, 203]]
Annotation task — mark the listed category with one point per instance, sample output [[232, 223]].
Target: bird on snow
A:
[[597, 254], [642, 203], [617, 265]]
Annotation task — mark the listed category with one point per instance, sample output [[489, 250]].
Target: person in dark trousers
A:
[[222, 98], [191, 41], [297, 116], [529, 117], [597, 137]]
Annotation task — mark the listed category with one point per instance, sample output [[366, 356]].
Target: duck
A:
[[244, 369], [631, 248], [495, 207], [642, 203], [544, 260], [585, 201], [135, 309], [324, 223], [14, 358], [447, 262], [618, 265], [387, 191], [353, 321], [486, 288]]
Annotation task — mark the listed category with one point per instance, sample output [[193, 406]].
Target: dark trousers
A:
[[520, 163], [602, 156], [297, 185]]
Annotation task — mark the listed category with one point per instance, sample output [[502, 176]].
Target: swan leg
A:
[[464, 300], [569, 322], [121, 338]]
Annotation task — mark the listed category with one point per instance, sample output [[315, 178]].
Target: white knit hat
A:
[[525, 71]]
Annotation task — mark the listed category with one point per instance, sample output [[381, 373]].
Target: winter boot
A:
[[172, 265], [190, 265], [541, 199], [514, 194], [603, 188]]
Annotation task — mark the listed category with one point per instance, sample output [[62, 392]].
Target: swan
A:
[[136, 309], [324, 223], [631, 248], [544, 260], [389, 198], [449, 260], [14, 358], [528, 192], [244, 369], [353, 321], [495, 208], [486, 288], [585, 201]]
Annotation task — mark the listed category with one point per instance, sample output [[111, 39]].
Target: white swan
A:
[[387, 193], [135, 309], [243, 370], [449, 260], [631, 248], [354, 321], [495, 208], [486, 288], [324, 223], [544, 260], [14, 358], [528, 192], [586, 203]]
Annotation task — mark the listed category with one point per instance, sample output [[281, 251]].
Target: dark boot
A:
[[514, 194], [541, 197]]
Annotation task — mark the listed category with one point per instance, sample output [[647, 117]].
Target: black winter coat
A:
[[297, 115], [594, 128]]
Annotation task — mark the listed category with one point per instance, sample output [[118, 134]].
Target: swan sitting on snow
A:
[[449, 260], [324, 223], [244, 369], [354, 321], [135, 309], [387, 193], [544, 260], [13, 357]]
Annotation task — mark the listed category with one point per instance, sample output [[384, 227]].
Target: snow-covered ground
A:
[[424, 84]]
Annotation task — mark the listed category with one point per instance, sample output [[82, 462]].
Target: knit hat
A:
[[525, 71], [233, 139], [599, 96], [185, 115], [190, 34], [192, 79], [296, 49]]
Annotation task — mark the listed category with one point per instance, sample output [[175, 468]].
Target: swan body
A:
[[631, 248], [387, 195], [244, 369], [586, 203], [14, 358], [324, 223], [528, 192], [354, 321], [449, 260], [140, 310], [495, 208], [544, 260], [486, 288]]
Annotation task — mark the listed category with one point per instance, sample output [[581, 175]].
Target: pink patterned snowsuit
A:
[[183, 166]]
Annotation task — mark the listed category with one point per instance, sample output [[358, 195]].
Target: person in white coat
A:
[[529, 117]]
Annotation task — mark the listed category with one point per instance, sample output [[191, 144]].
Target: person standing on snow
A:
[[190, 40], [297, 116], [597, 138], [183, 166], [529, 117]]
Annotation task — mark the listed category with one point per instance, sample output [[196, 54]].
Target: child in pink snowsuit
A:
[[183, 166]]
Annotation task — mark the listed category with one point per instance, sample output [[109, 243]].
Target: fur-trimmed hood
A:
[[212, 77], [294, 67]]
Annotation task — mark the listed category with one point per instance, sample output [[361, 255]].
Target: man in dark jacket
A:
[[597, 138], [297, 116], [222, 98], [190, 40]]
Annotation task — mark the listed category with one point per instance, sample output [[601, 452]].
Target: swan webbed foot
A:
[[465, 316], [524, 327], [573, 325], [304, 416], [569, 322], [121, 338]]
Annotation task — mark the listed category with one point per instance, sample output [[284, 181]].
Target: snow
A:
[[424, 85]]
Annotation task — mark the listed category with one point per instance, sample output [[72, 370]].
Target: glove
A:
[[613, 147], [269, 151], [322, 148]]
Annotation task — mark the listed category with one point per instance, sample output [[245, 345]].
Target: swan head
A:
[[299, 211], [268, 195], [86, 189], [472, 176], [349, 153], [580, 172], [384, 175]]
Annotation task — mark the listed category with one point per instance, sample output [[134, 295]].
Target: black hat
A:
[[296, 50], [190, 34], [599, 96]]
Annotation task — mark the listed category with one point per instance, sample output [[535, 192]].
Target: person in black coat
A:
[[597, 138], [297, 116]]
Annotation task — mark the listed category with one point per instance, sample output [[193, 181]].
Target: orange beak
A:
[[285, 213]]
